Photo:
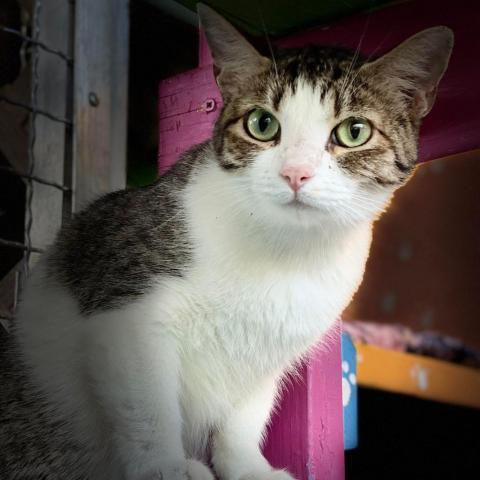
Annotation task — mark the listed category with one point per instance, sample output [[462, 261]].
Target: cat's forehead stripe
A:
[[321, 67]]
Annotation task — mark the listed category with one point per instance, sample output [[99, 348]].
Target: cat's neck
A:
[[223, 226]]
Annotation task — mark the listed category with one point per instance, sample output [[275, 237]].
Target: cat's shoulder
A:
[[115, 247]]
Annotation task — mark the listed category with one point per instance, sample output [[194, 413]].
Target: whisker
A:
[[267, 37], [368, 59], [345, 83]]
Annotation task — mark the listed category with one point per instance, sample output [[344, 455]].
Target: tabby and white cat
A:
[[162, 320]]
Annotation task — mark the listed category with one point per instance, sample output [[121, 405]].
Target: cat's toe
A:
[[198, 471], [272, 475], [186, 470]]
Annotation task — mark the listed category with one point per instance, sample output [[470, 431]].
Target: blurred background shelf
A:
[[417, 375]]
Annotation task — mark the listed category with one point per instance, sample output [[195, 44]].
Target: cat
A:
[[162, 321]]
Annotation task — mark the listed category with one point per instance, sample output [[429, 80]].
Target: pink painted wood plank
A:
[[188, 106], [306, 435], [453, 124]]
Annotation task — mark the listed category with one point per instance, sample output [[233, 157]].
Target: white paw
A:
[[272, 475], [198, 471], [185, 470]]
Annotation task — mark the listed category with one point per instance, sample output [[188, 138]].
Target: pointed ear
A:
[[416, 66], [235, 59]]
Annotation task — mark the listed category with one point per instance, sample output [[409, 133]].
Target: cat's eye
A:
[[262, 125], [352, 132]]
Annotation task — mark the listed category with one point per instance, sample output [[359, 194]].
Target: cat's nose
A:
[[297, 175]]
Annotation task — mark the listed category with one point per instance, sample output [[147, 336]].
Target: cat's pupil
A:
[[355, 130], [264, 122]]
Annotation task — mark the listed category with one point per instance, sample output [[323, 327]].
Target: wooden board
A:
[[281, 16], [416, 375], [100, 98], [49, 146], [306, 435], [423, 268], [188, 106]]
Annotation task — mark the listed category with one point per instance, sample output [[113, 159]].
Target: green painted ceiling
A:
[[279, 17]]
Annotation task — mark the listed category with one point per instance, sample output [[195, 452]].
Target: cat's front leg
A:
[[237, 444], [133, 367]]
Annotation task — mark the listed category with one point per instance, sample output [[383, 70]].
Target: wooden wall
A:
[[424, 267]]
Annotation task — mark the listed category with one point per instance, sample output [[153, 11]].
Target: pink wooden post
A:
[[306, 435]]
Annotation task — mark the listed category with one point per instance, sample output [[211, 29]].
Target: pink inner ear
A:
[[204, 54], [424, 100]]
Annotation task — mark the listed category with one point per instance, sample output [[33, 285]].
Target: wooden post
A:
[[49, 135], [100, 98], [306, 435]]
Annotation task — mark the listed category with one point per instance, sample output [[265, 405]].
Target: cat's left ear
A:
[[235, 59], [416, 66]]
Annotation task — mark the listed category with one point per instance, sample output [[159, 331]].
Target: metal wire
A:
[[32, 41], [35, 110], [32, 133], [50, 183], [21, 246]]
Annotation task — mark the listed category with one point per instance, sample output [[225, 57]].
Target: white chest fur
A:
[[243, 320], [254, 301]]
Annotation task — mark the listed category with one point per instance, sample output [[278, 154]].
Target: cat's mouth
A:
[[299, 204]]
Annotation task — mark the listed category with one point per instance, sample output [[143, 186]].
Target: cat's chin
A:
[[298, 214]]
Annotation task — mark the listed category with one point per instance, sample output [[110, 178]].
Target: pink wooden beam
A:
[[306, 435]]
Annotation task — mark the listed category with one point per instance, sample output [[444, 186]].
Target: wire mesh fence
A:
[[30, 177]]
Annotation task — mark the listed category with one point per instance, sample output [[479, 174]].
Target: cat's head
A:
[[319, 134]]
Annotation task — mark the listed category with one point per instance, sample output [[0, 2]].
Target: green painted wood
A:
[[279, 17]]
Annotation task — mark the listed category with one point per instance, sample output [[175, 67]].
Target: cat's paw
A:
[[198, 471], [272, 475], [185, 470]]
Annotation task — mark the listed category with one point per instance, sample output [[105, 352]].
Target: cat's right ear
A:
[[416, 66], [234, 58]]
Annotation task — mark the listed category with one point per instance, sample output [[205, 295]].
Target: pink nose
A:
[[297, 175]]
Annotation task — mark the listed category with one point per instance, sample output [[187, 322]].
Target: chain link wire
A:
[[32, 133], [32, 107]]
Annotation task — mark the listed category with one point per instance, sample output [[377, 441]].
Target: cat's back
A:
[[111, 251]]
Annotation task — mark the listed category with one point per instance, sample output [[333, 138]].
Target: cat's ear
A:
[[416, 66], [234, 58]]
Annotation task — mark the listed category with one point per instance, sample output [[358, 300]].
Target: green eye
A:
[[352, 132], [262, 125]]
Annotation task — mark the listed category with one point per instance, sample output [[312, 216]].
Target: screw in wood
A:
[[93, 99]]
